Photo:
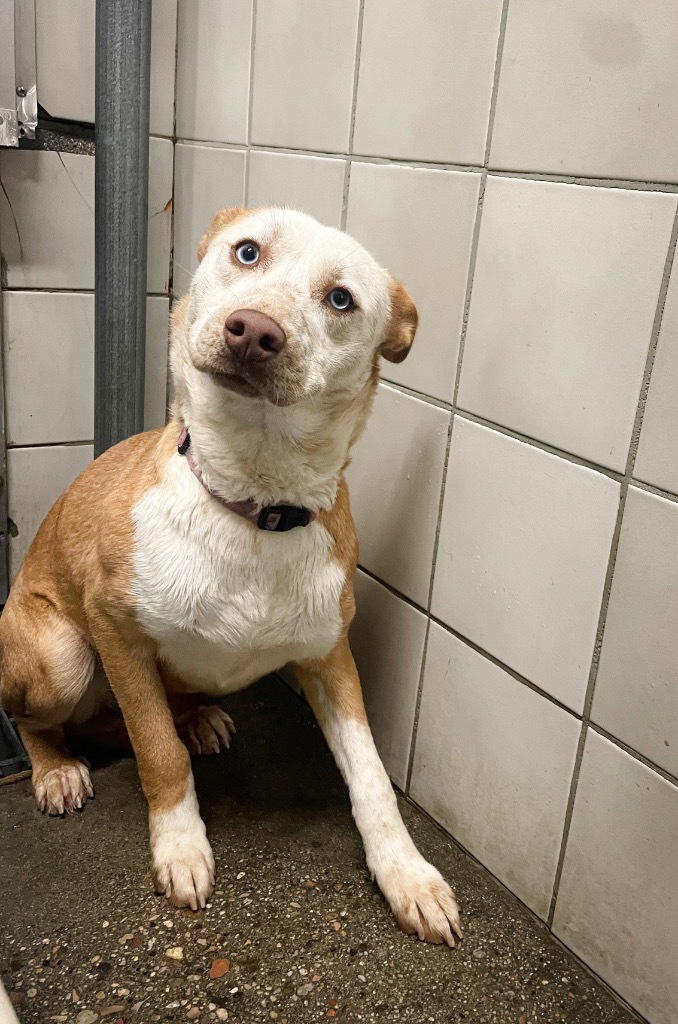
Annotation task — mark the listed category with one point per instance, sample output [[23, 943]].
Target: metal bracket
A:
[[18, 75]]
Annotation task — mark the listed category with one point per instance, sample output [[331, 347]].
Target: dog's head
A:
[[282, 309]]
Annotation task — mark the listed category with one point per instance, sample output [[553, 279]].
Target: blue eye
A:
[[340, 299], [247, 253]]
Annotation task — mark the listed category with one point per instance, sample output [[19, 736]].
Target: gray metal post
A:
[[123, 54]]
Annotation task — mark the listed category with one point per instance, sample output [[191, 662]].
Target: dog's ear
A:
[[220, 220], [402, 325]]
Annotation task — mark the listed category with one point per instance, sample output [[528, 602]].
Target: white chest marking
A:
[[225, 602]]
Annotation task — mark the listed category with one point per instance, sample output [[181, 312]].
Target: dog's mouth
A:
[[234, 382]]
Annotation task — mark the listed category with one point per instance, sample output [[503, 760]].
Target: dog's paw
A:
[[208, 730], [421, 900], [183, 869], [63, 790]]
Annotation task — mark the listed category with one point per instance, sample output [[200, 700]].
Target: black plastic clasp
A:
[[281, 518]]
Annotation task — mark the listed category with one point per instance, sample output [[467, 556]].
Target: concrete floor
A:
[[305, 934]]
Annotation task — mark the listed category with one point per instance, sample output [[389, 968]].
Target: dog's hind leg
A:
[[47, 666]]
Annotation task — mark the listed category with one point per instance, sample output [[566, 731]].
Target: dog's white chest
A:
[[227, 603]]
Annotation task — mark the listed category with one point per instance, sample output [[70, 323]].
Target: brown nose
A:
[[252, 336]]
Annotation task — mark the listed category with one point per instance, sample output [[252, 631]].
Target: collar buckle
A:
[[281, 518]]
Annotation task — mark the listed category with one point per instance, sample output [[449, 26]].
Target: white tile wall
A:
[[35, 479], [493, 764], [309, 183], [213, 69], [66, 86], [589, 87], [47, 218], [394, 481], [304, 59], [387, 639], [636, 697], [157, 331], [206, 179], [449, 50], [419, 224], [524, 546], [49, 366], [618, 900], [564, 297], [160, 176], [657, 461]]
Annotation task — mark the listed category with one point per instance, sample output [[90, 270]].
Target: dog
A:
[[198, 558]]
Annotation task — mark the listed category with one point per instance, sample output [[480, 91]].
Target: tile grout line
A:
[[538, 921], [250, 106], [354, 107], [533, 442], [614, 548], [170, 272], [629, 184], [495, 81], [635, 754], [514, 674], [473, 255], [462, 338]]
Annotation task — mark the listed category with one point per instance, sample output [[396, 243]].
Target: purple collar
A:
[[274, 518]]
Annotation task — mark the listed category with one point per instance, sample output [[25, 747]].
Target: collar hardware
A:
[[272, 518]]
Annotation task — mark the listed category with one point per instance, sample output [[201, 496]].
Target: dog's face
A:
[[284, 309]]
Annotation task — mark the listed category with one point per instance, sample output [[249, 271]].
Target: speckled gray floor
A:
[[295, 928]]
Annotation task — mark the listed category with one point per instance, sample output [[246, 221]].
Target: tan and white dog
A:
[[196, 559]]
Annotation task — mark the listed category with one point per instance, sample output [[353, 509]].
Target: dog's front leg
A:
[[181, 857], [422, 901]]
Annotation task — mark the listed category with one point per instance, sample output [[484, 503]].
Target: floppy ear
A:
[[219, 221], [402, 325]]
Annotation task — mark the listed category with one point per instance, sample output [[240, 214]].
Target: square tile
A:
[[493, 765], [47, 233], [160, 184], [304, 59], [50, 398], [206, 179], [395, 479], [36, 477], [589, 87], [433, 101], [635, 695], [157, 334], [49, 367], [564, 297], [618, 901], [524, 546], [309, 183], [657, 459], [387, 640], [66, 87], [419, 224], [163, 65], [47, 219], [213, 69]]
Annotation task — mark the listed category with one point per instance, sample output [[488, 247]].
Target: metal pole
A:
[[123, 53]]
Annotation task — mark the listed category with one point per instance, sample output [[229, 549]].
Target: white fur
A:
[[226, 602], [181, 857], [419, 896]]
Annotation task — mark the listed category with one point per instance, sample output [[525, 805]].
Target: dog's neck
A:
[[250, 449]]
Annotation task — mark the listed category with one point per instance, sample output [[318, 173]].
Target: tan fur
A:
[[338, 678], [402, 326], [219, 221], [71, 626], [72, 598]]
